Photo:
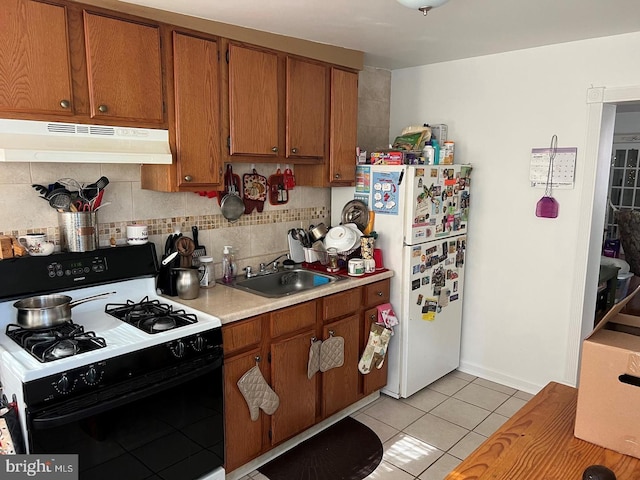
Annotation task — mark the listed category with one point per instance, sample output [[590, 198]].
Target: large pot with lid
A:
[[47, 311]]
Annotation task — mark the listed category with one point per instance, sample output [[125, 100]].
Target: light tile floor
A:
[[428, 434]]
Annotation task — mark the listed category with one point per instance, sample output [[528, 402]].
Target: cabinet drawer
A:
[[291, 319], [243, 334], [341, 304], [376, 293]]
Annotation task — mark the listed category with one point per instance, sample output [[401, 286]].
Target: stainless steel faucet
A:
[[272, 267]]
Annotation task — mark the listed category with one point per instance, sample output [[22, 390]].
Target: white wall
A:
[[520, 268]]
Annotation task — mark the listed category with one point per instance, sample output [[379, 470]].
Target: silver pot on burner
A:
[[47, 311]]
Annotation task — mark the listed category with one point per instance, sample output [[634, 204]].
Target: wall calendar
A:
[[564, 166]]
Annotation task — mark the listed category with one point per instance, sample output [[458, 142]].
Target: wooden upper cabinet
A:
[[343, 120], [253, 101], [306, 105], [197, 110], [124, 68], [35, 72]]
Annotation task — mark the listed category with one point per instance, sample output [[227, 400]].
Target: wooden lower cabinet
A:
[[297, 393], [281, 339], [340, 385], [243, 437]]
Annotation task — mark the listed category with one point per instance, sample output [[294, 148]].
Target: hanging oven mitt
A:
[[376, 348], [257, 393], [314, 358], [331, 353]]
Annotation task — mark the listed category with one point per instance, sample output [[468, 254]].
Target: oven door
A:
[[168, 429]]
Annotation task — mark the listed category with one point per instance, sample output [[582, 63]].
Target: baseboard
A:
[[499, 377], [301, 437]]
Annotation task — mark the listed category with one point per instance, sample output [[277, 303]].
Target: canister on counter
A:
[[447, 152], [366, 246]]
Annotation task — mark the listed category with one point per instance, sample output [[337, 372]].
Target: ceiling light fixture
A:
[[423, 5]]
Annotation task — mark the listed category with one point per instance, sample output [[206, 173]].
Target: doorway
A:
[[602, 105]]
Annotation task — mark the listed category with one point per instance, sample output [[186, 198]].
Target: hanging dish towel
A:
[[331, 353], [257, 393], [313, 366], [376, 348]]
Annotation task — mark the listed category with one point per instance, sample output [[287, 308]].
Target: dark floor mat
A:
[[348, 450]]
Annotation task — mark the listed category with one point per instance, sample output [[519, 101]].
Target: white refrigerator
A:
[[421, 215]]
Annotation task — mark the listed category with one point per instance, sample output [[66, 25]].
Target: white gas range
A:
[[142, 350]]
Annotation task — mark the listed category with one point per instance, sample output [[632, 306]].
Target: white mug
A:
[[137, 234], [36, 244]]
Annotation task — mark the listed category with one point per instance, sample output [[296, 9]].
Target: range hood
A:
[[34, 141]]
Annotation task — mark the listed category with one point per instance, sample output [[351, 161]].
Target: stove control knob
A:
[[177, 348], [63, 385], [198, 343], [92, 376]]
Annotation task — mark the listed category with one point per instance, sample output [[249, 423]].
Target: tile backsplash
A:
[[255, 237]]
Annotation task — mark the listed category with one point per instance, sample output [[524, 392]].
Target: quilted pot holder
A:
[[331, 353], [255, 191], [314, 358], [257, 393]]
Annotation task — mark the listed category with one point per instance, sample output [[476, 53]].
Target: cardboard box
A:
[[387, 158], [608, 411]]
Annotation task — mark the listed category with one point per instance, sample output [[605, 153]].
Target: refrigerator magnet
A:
[[425, 280], [453, 298], [415, 284], [419, 302]]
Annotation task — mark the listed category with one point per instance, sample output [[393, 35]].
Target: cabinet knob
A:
[[65, 103], [336, 176], [379, 294], [372, 317], [274, 149], [294, 150], [188, 178], [102, 108]]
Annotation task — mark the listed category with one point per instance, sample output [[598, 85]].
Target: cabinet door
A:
[[125, 69], [306, 105], [340, 385], [377, 377], [197, 100], [243, 436], [343, 127], [35, 74], [253, 101], [297, 410]]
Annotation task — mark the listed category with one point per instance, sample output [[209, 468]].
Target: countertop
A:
[[230, 304], [537, 442]]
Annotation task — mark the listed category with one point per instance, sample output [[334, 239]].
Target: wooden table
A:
[[538, 443]]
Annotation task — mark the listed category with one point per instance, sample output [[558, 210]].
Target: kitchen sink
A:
[[285, 282]]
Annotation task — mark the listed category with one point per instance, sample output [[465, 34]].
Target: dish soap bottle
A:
[[227, 264]]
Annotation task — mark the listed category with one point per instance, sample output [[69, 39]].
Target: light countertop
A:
[[230, 304]]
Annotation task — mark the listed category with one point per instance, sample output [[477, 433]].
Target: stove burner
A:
[[61, 341], [150, 316], [64, 348], [160, 323]]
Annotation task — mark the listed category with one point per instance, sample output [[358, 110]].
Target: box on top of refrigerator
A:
[[609, 388]]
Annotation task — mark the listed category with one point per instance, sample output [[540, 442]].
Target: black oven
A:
[[155, 413]]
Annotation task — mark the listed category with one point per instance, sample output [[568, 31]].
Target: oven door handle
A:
[[55, 417]]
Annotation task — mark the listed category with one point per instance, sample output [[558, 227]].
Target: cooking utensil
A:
[[231, 205], [170, 257], [60, 199], [46, 311], [41, 189], [200, 250], [356, 211], [301, 235]]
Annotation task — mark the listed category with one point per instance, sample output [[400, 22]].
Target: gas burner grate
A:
[[61, 341], [150, 316]]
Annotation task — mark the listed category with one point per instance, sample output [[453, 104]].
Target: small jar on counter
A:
[[207, 279]]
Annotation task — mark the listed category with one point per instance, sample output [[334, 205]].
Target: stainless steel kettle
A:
[[188, 282]]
